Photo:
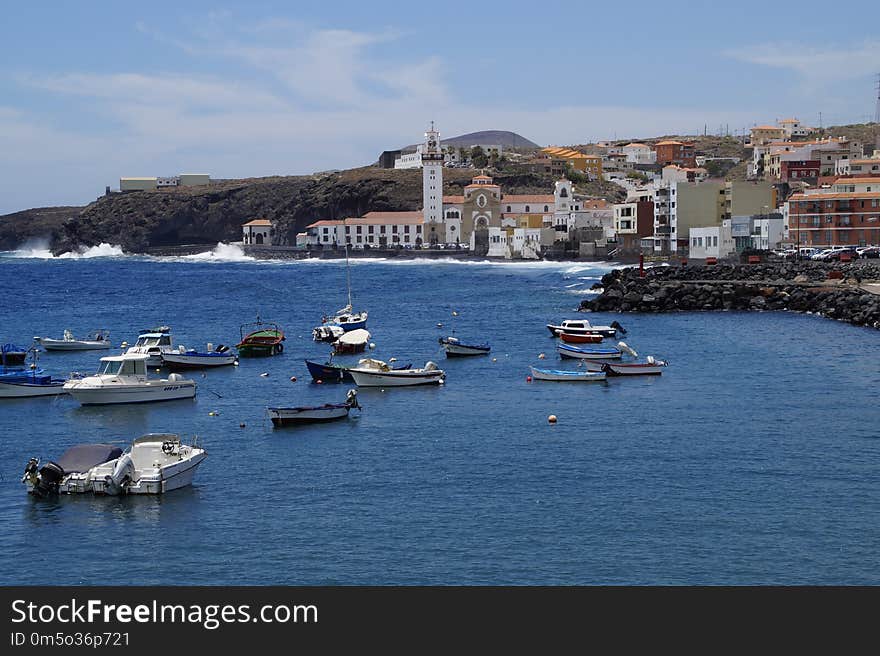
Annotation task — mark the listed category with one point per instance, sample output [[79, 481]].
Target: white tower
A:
[[432, 187]]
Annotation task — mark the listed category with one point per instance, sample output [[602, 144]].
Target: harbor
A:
[[469, 480]]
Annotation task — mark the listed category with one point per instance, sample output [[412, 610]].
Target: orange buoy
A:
[[528, 379], [552, 419]]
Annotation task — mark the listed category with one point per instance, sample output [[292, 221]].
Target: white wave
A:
[[101, 250], [39, 249], [222, 252], [565, 267]]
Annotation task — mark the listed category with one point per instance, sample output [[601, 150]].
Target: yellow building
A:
[[764, 134], [590, 164]]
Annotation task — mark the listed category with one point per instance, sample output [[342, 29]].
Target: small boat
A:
[[353, 341], [574, 338], [31, 386], [185, 358], [334, 373], [582, 353], [154, 343], [18, 374], [650, 367], [563, 375], [366, 375], [260, 339], [98, 339], [154, 464], [454, 347], [583, 327], [123, 379], [346, 319], [12, 355], [32, 382], [314, 414], [327, 333]]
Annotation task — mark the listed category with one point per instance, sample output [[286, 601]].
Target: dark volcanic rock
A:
[[799, 287]]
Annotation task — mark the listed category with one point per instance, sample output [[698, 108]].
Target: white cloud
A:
[[819, 64]]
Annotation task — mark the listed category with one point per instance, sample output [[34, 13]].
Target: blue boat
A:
[[567, 351], [31, 385], [12, 355], [13, 375]]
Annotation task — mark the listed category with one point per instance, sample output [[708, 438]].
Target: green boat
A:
[[260, 339]]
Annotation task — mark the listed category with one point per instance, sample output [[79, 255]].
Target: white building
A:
[[373, 229], [257, 232], [639, 153], [767, 232], [706, 242], [793, 128], [409, 160]]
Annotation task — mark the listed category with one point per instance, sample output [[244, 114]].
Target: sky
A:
[[94, 91]]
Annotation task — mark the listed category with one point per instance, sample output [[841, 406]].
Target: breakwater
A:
[[848, 292]]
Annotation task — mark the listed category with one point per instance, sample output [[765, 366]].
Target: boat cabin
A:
[[148, 340], [123, 366]]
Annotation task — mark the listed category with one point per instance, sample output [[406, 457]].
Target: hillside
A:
[[509, 140], [138, 221]]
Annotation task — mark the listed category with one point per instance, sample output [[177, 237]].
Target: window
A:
[[370, 229], [347, 230], [714, 241], [360, 229], [508, 208], [326, 238], [419, 229], [406, 229], [359, 239], [381, 230], [547, 207], [394, 229], [694, 241], [326, 230], [699, 241], [527, 209]]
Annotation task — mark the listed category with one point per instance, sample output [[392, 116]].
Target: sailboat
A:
[[345, 317]]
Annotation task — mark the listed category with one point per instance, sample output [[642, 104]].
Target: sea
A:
[[753, 459]]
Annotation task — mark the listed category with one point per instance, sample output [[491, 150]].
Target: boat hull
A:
[[399, 378], [566, 376], [573, 352], [605, 331], [318, 414], [166, 479], [588, 338], [28, 390], [455, 348], [75, 345], [200, 361], [616, 369], [145, 393], [259, 350]]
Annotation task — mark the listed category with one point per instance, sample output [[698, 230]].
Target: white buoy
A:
[[552, 419], [392, 359], [372, 345], [264, 374], [454, 313]]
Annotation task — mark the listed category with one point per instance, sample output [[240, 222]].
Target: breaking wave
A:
[[222, 252], [39, 249]]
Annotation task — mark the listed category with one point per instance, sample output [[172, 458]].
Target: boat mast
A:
[[347, 272]]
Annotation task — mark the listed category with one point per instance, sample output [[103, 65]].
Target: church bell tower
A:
[[432, 187]]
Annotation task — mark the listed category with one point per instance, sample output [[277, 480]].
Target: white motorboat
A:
[[367, 375], [123, 379], [327, 333], [584, 327], [314, 414], [565, 375], [650, 367], [185, 358], [153, 343], [98, 339], [154, 464]]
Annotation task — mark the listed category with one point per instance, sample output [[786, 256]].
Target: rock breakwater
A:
[[844, 292]]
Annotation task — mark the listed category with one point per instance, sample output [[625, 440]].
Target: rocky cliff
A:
[[138, 221]]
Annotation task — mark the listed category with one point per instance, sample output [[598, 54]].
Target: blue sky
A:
[[91, 91]]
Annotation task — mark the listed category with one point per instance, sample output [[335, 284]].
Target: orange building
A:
[[676, 152]]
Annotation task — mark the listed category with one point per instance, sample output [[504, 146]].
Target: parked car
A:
[[838, 253], [823, 255], [869, 252]]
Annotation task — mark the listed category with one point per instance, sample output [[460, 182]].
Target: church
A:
[[483, 219]]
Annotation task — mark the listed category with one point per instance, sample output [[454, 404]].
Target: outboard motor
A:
[[123, 472], [618, 327], [351, 399], [46, 481]]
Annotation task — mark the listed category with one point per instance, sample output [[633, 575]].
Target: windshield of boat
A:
[[124, 368]]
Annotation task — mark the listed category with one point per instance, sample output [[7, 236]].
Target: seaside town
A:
[[814, 197]]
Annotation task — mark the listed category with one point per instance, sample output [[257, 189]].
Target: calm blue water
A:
[[753, 459]]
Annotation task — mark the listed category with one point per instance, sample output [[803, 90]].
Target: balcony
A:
[[662, 230]]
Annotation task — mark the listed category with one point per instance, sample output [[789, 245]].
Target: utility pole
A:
[[877, 109]]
